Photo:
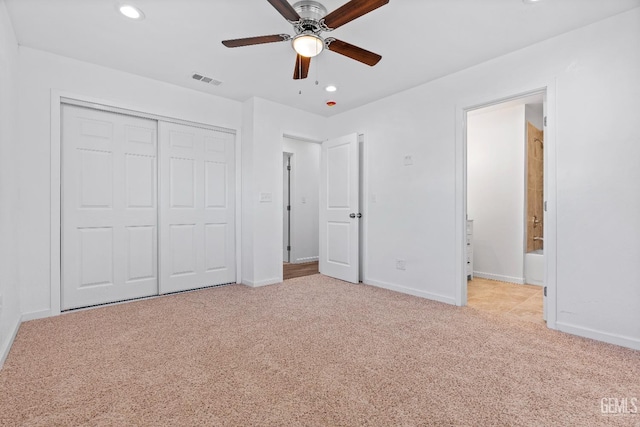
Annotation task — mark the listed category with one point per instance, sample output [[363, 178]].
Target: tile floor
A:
[[521, 301]]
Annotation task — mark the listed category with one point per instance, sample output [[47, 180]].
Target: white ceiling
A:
[[419, 40]]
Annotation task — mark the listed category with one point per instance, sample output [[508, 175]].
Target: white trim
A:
[[260, 283], [8, 342], [238, 219], [533, 282], [410, 291], [35, 315], [595, 334], [364, 209], [299, 138], [305, 259], [547, 86], [293, 216], [105, 106], [57, 99], [55, 227], [460, 207], [550, 230], [499, 277]]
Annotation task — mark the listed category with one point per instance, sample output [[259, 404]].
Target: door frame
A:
[[550, 159], [291, 181], [61, 97], [364, 200], [292, 190]]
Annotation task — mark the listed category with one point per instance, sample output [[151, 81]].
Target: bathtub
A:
[[534, 268]]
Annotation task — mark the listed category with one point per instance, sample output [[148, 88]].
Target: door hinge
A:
[[289, 207], [545, 120], [288, 168], [545, 205], [545, 291], [288, 248]]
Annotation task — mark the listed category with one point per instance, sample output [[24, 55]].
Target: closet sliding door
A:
[[197, 207], [109, 207]]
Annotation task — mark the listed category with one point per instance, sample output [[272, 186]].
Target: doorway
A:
[[504, 207], [301, 180]]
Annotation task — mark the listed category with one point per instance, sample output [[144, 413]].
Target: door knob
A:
[[352, 215], [359, 215]]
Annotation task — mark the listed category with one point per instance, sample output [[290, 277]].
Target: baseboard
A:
[[259, 283], [621, 340], [410, 291], [500, 278], [534, 282], [34, 315], [6, 345], [307, 259]]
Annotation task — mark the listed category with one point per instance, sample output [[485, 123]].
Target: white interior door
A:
[[339, 208], [109, 209], [197, 207]]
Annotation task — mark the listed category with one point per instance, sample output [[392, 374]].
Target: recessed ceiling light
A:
[[331, 88], [530, 1], [131, 12]]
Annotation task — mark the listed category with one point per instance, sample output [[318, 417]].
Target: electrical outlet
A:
[[408, 160], [401, 264]]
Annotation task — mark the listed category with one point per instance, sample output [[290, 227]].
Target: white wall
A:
[[595, 73], [305, 195], [41, 72], [9, 289], [495, 191], [263, 127]]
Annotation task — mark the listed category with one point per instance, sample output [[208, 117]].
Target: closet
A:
[[148, 206]]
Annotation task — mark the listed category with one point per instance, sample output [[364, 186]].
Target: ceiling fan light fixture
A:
[[308, 45]]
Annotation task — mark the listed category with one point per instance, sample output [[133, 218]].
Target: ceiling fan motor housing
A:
[[309, 9]]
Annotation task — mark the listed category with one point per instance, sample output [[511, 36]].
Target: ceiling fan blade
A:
[[302, 67], [353, 52], [285, 9], [256, 40], [350, 11]]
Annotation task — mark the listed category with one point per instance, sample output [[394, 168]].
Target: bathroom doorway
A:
[[505, 207]]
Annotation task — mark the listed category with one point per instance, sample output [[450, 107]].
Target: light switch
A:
[[265, 198], [304, 200]]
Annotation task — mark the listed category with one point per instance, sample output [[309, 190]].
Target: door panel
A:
[[141, 181], [339, 198], [182, 178], [141, 253], [197, 208], [109, 210], [96, 256]]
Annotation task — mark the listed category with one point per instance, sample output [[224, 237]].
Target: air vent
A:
[[205, 79]]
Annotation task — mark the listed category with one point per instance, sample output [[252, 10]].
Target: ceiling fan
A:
[[309, 19]]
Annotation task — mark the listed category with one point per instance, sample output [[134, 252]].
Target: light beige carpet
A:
[[311, 351]]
